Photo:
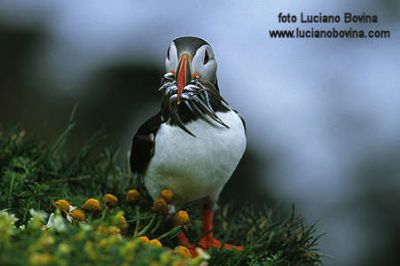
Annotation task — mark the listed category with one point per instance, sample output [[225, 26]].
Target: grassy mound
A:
[[35, 174]]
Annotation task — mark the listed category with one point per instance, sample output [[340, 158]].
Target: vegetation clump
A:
[[41, 184]]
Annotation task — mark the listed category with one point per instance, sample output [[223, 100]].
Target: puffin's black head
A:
[[189, 58], [191, 78]]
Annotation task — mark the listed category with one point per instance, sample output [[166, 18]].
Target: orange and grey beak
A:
[[183, 74]]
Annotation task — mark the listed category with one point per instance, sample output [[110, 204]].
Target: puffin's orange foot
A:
[[206, 243], [238, 248], [185, 242], [193, 251]]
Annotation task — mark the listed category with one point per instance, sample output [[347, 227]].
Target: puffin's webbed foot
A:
[[185, 242], [208, 241]]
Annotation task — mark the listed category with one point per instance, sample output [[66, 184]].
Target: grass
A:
[[34, 174]]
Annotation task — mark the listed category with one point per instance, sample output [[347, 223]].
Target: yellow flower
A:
[[40, 259], [113, 230], [144, 239], [107, 230], [103, 243], [89, 250], [183, 251], [131, 245], [77, 215], [155, 242], [181, 218], [92, 205], [123, 225], [46, 240], [100, 229], [110, 200], [166, 258], [63, 248], [160, 206], [132, 196], [62, 204], [167, 194], [180, 263]]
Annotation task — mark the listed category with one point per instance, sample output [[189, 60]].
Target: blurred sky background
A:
[[323, 116]]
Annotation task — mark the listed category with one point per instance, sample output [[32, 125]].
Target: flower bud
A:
[[181, 218], [160, 206], [183, 251], [110, 200], [132, 196], [92, 205], [167, 194], [144, 239], [77, 215], [155, 242], [62, 204]]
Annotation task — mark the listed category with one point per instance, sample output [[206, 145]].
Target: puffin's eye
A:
[[206, 58], [169, 48]]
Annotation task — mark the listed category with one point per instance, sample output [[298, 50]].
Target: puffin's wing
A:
[[143, 144]]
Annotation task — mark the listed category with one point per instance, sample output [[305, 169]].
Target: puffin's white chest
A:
[[196, 167]]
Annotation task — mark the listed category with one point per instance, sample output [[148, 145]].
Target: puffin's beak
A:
[[183, 74]]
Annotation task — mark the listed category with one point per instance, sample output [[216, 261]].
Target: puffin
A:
[[193, 144]]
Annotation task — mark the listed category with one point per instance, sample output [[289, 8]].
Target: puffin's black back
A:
[[142, 149]]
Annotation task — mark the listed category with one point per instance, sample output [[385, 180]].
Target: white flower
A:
[[202, 254], [86, 227], [7, 226], [41, 215], [56, 222], [10, 216], [69, 217]]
